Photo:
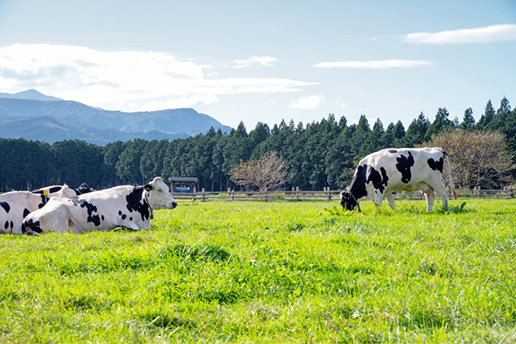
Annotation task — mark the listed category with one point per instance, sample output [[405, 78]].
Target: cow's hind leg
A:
[[430, 198], [440, 189]]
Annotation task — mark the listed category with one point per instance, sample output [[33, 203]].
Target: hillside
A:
[[34, 116]]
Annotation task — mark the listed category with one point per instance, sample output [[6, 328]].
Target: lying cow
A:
[[82, 189], [122, 206], [16, 205], [409, 169]]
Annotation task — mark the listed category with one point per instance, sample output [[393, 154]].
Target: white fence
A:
[[326, 195]]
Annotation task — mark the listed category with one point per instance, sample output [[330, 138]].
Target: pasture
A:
[[270, 273]]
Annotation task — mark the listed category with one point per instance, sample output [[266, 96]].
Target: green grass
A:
[[269, 273]]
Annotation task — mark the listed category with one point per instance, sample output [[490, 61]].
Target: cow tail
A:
[[449, 176]]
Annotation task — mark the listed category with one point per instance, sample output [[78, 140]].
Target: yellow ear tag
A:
[[45, 192]]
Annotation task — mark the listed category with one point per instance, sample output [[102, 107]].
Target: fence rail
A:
[[327, 195]]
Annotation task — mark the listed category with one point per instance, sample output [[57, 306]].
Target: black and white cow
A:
[[82, 189], [16, 205], [122, 206], [409, 169]]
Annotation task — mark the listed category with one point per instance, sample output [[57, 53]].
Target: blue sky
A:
[[265, 61]]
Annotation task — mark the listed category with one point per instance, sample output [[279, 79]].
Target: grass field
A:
[[270, 273]]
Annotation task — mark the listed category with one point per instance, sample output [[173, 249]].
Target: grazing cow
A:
[[410, 169], [15, 205], [122, 206]]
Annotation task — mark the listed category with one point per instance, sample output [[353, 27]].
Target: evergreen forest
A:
[[320, 154]]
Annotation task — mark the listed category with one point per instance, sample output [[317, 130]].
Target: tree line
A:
[[319, 154]]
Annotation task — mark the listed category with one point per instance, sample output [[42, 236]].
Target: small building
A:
[[183, 185]]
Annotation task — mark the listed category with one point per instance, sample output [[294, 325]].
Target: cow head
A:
[[65, 192], [83, 188], [348, 201], [158, 195]]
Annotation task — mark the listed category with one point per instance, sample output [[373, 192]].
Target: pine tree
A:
[[468, 121], [487, 117]]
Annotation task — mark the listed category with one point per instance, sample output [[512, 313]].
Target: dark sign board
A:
[[184, 188]]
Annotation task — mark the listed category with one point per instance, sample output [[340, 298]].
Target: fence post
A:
[[203, 195], [297, 193]]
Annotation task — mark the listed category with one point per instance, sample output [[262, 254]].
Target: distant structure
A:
[[183, 185]]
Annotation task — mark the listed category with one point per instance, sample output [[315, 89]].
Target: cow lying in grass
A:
[[122, 206], [15, 205], [408, 169]]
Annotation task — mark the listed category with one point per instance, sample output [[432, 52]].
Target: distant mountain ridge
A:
[[35, 116]]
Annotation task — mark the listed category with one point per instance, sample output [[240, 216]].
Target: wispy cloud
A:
[[375, 64], [266, 61], [126, 80], [488, 34], [305, 103]]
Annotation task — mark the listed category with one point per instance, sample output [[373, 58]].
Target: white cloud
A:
[[306, 103], [266, 61], [375, 64], [488, 34], [137, 80]]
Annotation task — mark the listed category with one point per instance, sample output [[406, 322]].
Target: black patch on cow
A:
[[436, 165], [102, 217], [404, 164], [50, 190], [124, 216], [120, 213], [26, 212], [357, 189], [31, 226], [6, 206], [379, 180], [44, 200], [91, 209], [8, 224], [136, 203], [393, 151]]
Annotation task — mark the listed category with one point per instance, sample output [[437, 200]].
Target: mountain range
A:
[[35, 116]]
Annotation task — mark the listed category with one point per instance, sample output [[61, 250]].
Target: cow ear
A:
[[148, 187]]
